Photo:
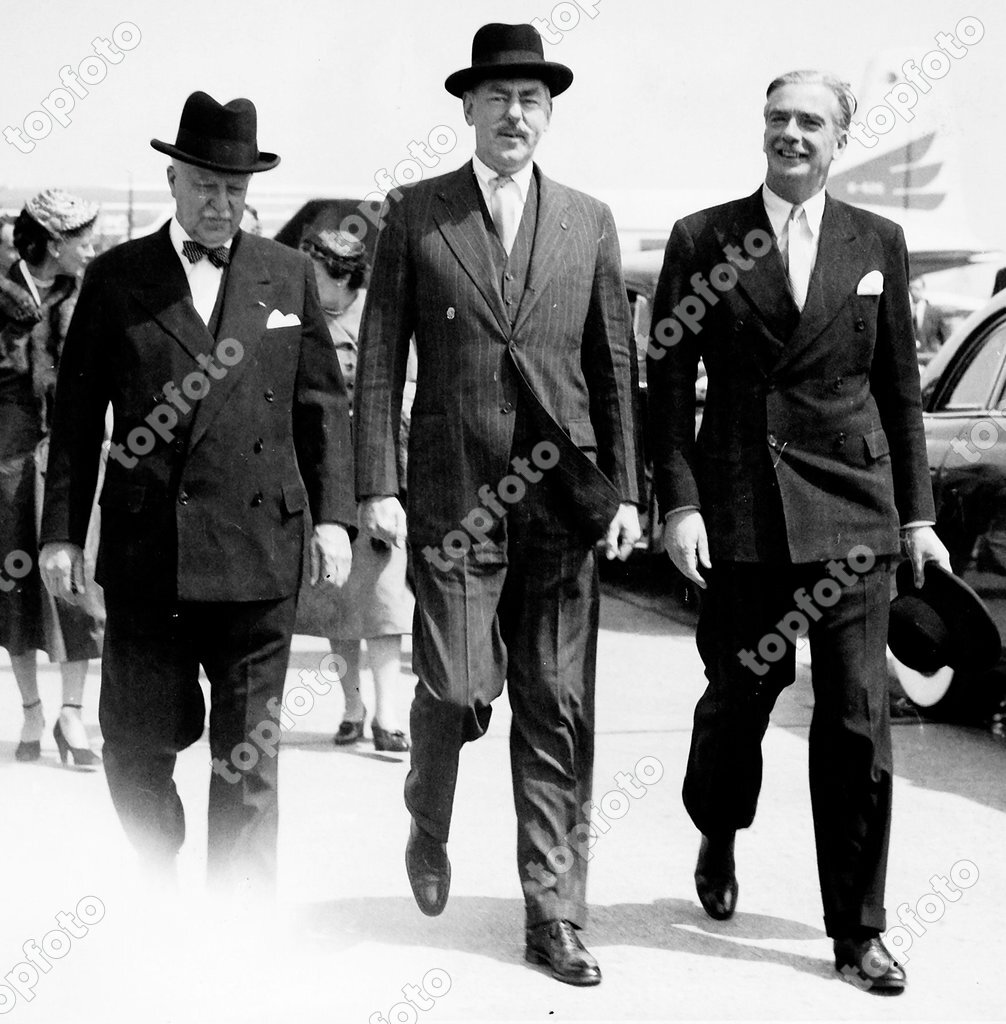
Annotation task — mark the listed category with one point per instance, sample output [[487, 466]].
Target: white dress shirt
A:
[[522, 178], [204, 278], [779, 210]]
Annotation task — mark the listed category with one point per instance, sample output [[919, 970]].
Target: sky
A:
[[667, 95]]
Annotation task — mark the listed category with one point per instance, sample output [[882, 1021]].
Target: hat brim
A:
[[557, 77], [265, 162], [974, 644]]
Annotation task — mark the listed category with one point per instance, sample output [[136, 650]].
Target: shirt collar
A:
[[178, 235], [485, 174], [778, 210]]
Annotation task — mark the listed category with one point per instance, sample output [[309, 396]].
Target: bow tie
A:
[[195, 251]]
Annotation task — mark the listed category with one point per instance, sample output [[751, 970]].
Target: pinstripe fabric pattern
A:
[[570, 351]]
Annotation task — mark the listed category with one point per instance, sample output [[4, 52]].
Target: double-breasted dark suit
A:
[[811, 448], [512, 353], [224, 435]]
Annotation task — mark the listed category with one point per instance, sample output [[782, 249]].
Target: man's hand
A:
[[921, 545], [623, 532], [331, 554], [61, 565], [384, 518], [686, 543]]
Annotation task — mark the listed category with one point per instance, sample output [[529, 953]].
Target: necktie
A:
[[799, 254], [504, 207], [195, 251]]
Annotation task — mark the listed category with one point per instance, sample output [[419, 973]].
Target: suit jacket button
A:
[[860, 324], [258, 446], [268, 395], [739, 325], [183, 498], [179, 445], [507, 407], [257, 500], [840, 440], [772, 442]]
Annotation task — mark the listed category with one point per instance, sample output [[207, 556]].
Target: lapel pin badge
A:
[[450, 312]]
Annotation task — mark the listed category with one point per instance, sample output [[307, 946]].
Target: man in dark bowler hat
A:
[[787, 507], [230, 422], [521, 459]]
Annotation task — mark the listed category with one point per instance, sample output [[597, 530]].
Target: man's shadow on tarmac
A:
[[493, 927]]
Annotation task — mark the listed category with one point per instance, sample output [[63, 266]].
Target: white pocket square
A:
[[278, 319], [871, 284]]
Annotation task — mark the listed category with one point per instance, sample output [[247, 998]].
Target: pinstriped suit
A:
[[521, 603]]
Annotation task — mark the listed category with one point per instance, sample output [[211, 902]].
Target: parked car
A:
[[964, 409]]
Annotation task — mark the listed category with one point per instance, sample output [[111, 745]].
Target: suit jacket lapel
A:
[[246, 307], [163, 291], [837, 269], [460, 220], [764, 283], [552, 225]]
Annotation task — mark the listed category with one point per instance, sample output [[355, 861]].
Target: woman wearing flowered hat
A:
[[52, 235]]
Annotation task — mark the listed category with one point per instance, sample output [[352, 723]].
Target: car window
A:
[[977, 372]]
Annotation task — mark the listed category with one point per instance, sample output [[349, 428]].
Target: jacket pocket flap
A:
[[876, 444], [294, 498], [581, 433]]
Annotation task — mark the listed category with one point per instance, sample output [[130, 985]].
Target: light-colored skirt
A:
[[374, 601]]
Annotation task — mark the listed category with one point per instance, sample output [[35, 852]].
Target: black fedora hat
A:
[[943, 623], [218, 136], [509, 51]]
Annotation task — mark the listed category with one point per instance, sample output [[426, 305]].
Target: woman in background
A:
[[52, 236], [375, 604]]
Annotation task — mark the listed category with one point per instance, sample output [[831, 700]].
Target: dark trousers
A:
[[152, 706], [850, 735], [523, 609]]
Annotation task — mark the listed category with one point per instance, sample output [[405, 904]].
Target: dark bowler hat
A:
[[944, 623], [219, 137], [509, 51]]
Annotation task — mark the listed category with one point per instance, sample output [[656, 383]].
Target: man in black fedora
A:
[[230, 422], [521, 459]]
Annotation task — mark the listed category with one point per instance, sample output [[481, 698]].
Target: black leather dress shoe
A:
[[868, 964], [556, 944], [429, 870], [715, 878]]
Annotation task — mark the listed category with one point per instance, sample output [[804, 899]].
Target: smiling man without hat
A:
[[512, 285], [810, 460], [230, 421]]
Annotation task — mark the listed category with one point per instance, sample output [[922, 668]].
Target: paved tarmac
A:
[[346, 937]]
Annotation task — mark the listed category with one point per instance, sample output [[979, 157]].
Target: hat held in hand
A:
[[944, 623]]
